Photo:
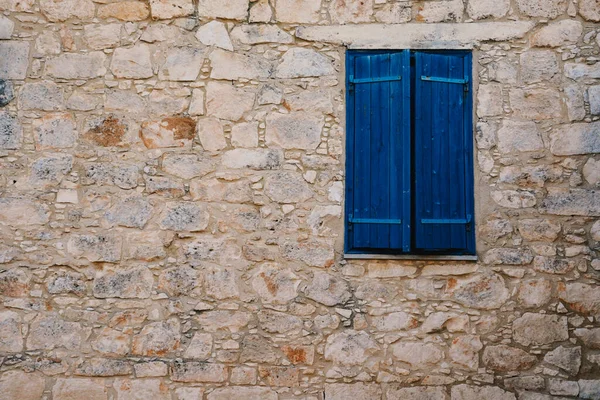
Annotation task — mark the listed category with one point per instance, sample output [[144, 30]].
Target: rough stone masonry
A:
[[171, 191]]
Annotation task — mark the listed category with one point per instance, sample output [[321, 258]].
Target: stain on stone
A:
[[296, 355], [108, 133], [182, 127], [6, 92]]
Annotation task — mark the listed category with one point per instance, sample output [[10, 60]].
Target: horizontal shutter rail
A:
[[352, 79], [448, 221], [374, 221], [444, 80]]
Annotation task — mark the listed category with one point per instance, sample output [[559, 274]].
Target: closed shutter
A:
[[378, 152], [443, 198]]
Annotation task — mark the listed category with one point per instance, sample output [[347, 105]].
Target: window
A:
[[409, 167]]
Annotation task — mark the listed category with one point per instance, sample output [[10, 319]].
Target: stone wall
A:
[[171, 192]]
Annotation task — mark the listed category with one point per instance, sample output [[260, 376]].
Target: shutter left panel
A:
[[378, 220]]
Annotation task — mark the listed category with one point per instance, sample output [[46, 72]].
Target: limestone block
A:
[[394, 13], [214, 321], [124, 101], [589, 10], [519, 136], [589, 337], [566, 358], [197, 102], [414, 393], [226, 101], [575, 103], [6, 27], [183, 216], [99, 37], [514, 198], [480, 9], [245, 135], [328, 289], [127, 283], [200, 347], [11, 131], [48, 171], [471, 392], [393, 322], [591, 171], [359, 390], [132, 63], [287, 187], [141, 389], [194, 371], [14, 59], [300, 130], [301, 62], [164, 102], [551, 265], [232, 66], [11, 335], [464, 351], [489, 100], [242, 392], [30, 212], [505, 358], [573, 202], [144, 246], [538, 66], [125, 11], [418, 355], [580, 297], [55, 131], [539, 229], [187, 166], [62, 10], [350, 348], [441, 11], [275, 284], [7, 93], [162, 9], [536, 104], [343, 11], [260, 12], [575, 139], [315, 101], [65, 282], [588, 389], [21, 385], [210, 131], [260, 33], [102, 367], [168, 132], [579, 71], [215, 34], [542, 8], [131, 212], [540, 329], [482, 291], [277, 322], [182, 64], [76, 388], [298, 11], [562, 33], [221, 283], [157, 338], [233, 9], [17, 5], [111, 342], [49, 331], [594, 99], [258, 349], [77, 66], [179, 281]]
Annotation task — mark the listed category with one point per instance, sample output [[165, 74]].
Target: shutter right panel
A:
[[443, 174]]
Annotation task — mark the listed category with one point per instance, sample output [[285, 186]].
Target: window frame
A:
[[467, 254]]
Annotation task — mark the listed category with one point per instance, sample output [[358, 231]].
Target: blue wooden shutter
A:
[[378, 152], [443, 173]]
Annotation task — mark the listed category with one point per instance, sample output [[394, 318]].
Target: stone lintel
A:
[[415, 36]]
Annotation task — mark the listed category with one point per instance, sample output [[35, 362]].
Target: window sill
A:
[[413, 257]]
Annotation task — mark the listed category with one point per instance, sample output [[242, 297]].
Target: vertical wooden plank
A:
[[350, 135], [442, 182]]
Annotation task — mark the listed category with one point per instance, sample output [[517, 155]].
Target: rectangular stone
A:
[[14, 59], [574, 139], [389, 271], [414, 36], [572, 202]]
